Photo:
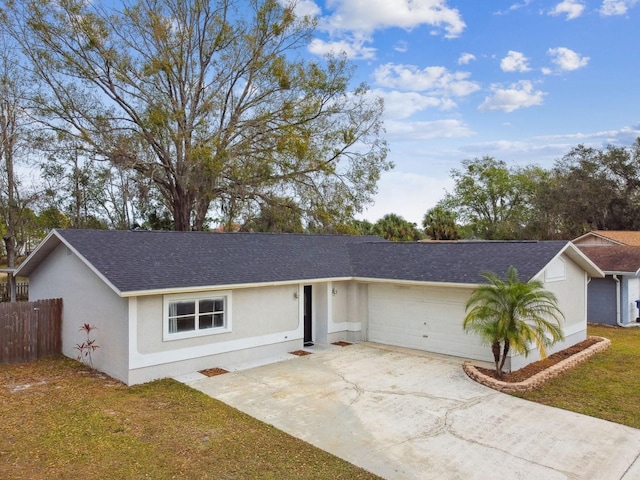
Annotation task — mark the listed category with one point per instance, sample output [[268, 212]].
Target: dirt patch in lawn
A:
[[212, 372], [300, 353]]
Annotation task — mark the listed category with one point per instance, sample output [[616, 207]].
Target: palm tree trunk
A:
[[505, 351], [495, 349]]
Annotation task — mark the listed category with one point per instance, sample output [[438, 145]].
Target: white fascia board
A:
[[418, 283], [33, 257], [210, 288]]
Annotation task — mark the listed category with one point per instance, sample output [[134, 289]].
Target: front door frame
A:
[[307, 314]]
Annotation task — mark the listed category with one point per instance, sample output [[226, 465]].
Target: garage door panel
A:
[[423, 318]]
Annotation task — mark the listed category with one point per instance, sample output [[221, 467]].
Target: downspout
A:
[[618, 301], [617, 280]]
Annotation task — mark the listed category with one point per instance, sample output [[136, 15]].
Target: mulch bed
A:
[[533, 368], [300, 353], [212, 372], [341, 344]]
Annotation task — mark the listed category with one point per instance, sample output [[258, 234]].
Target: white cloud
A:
[[625, 136], [517, 95], [397, 194], [303, 8], [417, 131], [368, 16], [401, 46], [400, 105], [435, 79], [465, 58], [515, 62], [354, 49], [566, 59], [616, 7], [514, 7], [572, 8]]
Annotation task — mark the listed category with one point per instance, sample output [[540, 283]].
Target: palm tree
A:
[[511, 315], [395, 228], [439, 223]]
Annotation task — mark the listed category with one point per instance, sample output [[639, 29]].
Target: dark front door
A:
[[308, 338]]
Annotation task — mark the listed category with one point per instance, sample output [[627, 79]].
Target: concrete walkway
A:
[[404, 414]]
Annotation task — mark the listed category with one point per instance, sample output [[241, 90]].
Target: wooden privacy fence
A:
[[30, 330], [22, 292]]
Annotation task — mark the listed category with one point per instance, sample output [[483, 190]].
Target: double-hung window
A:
[[189, 315]]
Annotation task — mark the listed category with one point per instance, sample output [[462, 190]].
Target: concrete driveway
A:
[[404, 414]]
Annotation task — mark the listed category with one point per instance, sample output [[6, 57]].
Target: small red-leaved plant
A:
[[87, 347]]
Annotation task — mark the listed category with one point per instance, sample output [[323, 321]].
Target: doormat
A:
[[212, 372], [341, 344], [300, 353]]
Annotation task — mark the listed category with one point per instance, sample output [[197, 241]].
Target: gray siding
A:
[[602, 301]]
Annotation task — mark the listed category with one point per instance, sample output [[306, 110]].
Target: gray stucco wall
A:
[[265, 322], [348, 312], [86, 299], [571, 292], [254, 312]]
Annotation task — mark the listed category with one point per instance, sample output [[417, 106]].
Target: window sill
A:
[[170, 337]]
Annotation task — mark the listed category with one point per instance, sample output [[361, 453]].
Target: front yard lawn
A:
[[606, 386], [59, 420]]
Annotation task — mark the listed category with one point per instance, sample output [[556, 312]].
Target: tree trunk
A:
[[12, 214], [495, 349], [202, 208], [505, 351], [182, 206]]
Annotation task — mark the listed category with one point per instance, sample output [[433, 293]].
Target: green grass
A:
[[59, 420], [606, 386]]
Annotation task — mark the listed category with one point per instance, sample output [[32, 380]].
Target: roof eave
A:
[[620, 272], [416, 282], [596, 234], [34, 259], [46, 247], [228, 286], [575, 254]]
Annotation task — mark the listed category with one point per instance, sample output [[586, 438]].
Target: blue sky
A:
[[522, 81]]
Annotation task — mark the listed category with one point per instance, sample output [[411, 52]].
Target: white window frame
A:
[[225, 295]]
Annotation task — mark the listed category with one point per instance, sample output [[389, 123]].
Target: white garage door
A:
[[424, 318]]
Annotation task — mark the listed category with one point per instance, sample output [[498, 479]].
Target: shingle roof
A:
[[144, 260], [137, 261], [452, 262], [614, 258]]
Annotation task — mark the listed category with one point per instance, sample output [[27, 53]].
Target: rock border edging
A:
[[539, 378]]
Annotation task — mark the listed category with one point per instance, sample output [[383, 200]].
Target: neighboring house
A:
[[597, 238], [170, 303], [612, 299]]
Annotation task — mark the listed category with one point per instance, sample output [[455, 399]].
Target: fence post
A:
[[12, 287]]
